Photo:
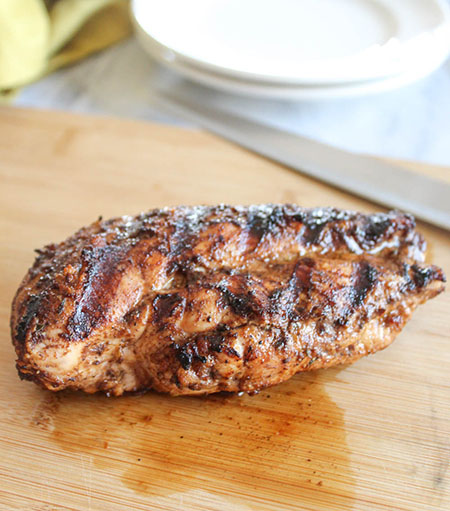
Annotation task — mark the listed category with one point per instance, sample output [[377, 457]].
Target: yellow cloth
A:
[[39, 36]]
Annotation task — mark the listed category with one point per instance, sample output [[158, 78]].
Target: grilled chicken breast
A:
[[195, 300]]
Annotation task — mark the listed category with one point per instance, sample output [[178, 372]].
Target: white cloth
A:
[[410, 123]]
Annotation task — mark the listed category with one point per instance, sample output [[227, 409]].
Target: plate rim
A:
[[286, 91]]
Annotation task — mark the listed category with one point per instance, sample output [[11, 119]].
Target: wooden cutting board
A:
[[373, 436]]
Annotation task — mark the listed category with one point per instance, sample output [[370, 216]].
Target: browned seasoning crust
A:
[[194, 300]]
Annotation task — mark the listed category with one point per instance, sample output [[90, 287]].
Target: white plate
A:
[[312, 42], [282, 91]]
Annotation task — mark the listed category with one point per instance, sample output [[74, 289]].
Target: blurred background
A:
[[369, 76]]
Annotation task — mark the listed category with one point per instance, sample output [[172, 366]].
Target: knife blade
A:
[[378, 181]]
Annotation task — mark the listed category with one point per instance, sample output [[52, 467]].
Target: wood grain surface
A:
[[372, 436]]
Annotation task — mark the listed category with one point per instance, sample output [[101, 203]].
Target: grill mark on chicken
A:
[[202, 299], [366, 277], [376, 228], [166, 306], [422, 276], [285, 300], [240, 294], [261, 222], [31, 309], [102, 278]]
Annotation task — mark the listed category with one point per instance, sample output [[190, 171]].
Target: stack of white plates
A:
[[303, 49]]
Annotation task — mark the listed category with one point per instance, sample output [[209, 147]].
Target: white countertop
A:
[[410, 123]]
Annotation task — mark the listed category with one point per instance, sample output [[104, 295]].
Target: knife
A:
[[378, 181]]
